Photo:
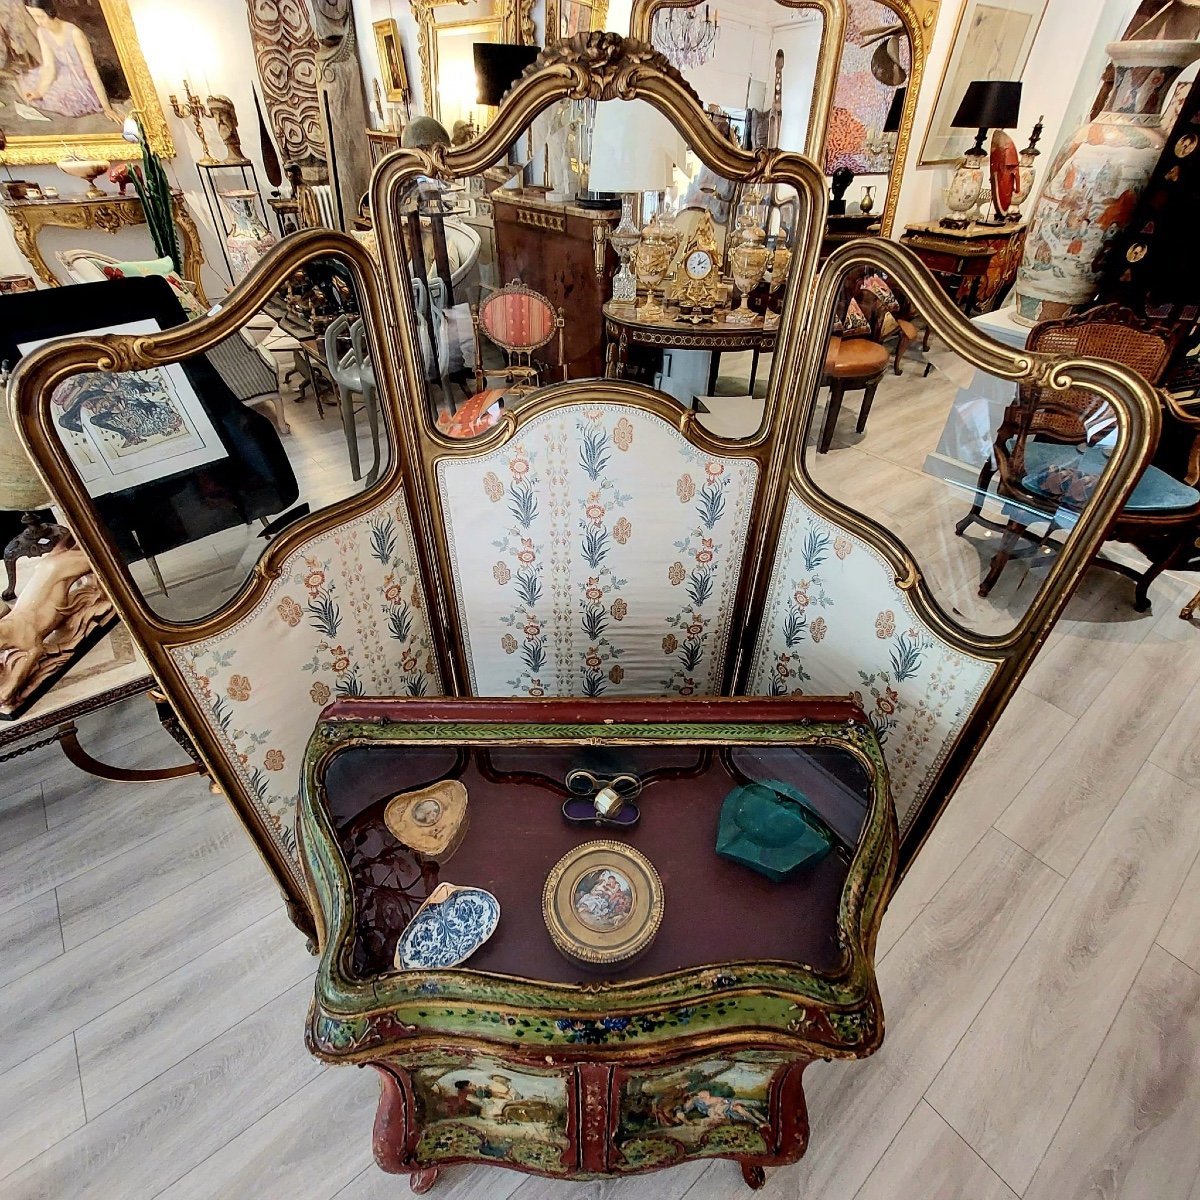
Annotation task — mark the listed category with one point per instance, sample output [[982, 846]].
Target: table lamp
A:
[[634, 150], [987, 104]]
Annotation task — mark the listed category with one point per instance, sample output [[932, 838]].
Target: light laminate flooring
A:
[[1039, 967]]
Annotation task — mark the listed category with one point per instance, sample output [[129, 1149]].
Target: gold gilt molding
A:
[[919, 18], [49, 148], [515, 18]]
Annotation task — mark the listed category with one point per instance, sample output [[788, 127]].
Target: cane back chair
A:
[[1051, 447]]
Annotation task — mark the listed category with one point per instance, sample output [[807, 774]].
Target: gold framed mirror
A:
[[837, 109], [445, 35], [566, 18]]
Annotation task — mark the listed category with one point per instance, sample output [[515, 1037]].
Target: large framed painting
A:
[[991, 41], [391, 61], [71, 71]]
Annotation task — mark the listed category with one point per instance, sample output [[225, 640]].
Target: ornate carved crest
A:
[[605, 66]]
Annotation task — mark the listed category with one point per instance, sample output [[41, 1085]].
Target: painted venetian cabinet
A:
[[521, 1058]]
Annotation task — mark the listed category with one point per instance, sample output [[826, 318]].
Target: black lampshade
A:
[[989, 104], [498, 67], [892, 122]]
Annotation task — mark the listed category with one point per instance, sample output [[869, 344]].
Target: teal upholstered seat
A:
[[1046, 463]]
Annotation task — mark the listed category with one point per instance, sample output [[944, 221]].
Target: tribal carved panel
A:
[[285, 51]]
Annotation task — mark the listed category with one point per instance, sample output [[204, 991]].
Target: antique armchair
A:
[[1051, 447], [595, 542]]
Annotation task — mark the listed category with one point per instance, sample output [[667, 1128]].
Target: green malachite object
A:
[[768, 827]]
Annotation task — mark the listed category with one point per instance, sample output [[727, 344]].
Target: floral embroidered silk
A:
[[597, 553], [832, 598], [346, 617]]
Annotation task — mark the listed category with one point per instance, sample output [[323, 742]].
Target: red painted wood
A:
[[648, 710]]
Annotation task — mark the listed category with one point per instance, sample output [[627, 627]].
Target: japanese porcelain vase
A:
[[249, 239], [1094, 184]]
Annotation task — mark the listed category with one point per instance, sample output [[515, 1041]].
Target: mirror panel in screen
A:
[[762, 73], [982, 479], [602, 247], [195, 466]]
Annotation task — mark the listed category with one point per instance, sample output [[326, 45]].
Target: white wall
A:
[[743, 55], [1060, 81], [800, 42], [208, 41]]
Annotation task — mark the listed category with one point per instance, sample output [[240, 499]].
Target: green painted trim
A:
[[834, 1013]]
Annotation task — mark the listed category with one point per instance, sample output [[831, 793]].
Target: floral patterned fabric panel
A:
[[346, 617], [482, 1108], [596, 553], [715, 1106], [835, 622]]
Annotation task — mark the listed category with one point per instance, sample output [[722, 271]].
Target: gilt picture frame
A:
[[68, 82], [992, 41], [393, 72]]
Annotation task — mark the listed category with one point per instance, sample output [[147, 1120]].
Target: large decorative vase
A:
[[249, 239], [1095, 181]]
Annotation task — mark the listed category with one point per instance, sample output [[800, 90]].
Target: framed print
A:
[[126, 428], [71, 71], [391, 61], [992, 41]]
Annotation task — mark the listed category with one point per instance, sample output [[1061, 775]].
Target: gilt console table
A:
[[526, 1059], [107, 214]]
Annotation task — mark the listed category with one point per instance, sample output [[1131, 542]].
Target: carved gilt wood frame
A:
[[1137, 412], [49, 148], [156, 637], [599, 11], [596, 66], [601, 67], [516, 25], [919, 18]]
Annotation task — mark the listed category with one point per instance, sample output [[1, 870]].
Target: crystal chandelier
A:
[[686, 38]]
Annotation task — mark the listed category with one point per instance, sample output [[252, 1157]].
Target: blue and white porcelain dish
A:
[[448, 928]]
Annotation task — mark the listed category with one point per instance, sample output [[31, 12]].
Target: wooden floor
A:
[[1040, 973]]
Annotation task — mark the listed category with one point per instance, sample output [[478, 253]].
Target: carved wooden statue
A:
[[342, 100], [221, 109]]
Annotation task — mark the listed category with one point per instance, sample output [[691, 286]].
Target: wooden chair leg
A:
[[902, 346], [865, 411], [837, 389], [1008, 543], [985, 478], [1141, 598], [1188, 610]]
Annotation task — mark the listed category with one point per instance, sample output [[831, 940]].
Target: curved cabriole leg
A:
[[754, 1175], [421, 1181]]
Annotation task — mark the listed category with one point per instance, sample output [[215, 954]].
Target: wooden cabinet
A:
[[976, 265], [563, 252], [525, 1059]]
